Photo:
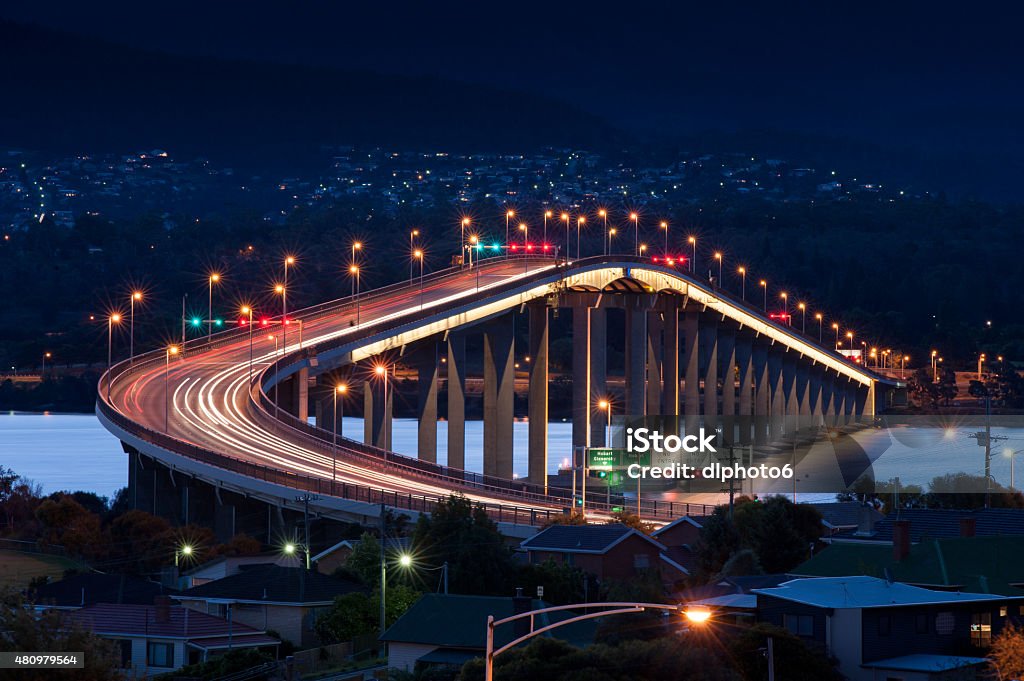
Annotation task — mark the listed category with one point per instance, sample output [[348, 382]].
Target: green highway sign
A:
[[607, 458]]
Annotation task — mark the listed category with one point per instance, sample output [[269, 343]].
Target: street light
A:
[[214, 278], [743, 283], [354, 271], [46, 356], [462, 236], [114, 318], [981, 363], [171, 350], [247, 310], [184, 551], [611, 234], [903, 365], [849, 334], [803, 317], [547, 216], [607, 242], [381, 370], [693, 261], [526, 235], [819, 317], [764, 287], [1010, 453], [698, 615], [276, 372], [418, 255], [406, 561], [565, 217], [785, 307], [643, 249], [136, 296], [664, 226], [636, 232], [835, 327], [579, 221], [339, 389], [718, 257], [288, 261]]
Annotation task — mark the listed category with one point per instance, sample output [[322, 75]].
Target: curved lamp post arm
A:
[[617, 608]]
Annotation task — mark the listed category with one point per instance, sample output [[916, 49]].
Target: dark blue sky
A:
[[882, 70]]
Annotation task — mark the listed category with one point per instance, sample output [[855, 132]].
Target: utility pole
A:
[[383, 570]]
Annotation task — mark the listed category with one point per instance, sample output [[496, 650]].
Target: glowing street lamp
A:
[[698, 615], [412, 247], [172, 350], [135, 297], [693, 261], [462, 235], [247, 310], [764, 288], [603, 214], [46, 356], [353, 270], [835, 327], [743, 282], [114, 318], [935, 367], [643, 249], [580, 220], [184, 551], [635, 217], [819, 317], [381, 371], [785, 307], [547, 216], [565, 218], [213, 279], [356, 246], [803, 317], [849, 335], [718, 257], [418, 255], [903, 365], [339, 389], [664, 226], [509, 214]]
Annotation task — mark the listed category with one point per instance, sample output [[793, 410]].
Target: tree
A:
[[794, 660], [52, 632], [463, 535], [140, 542], [966, 491], [67, 523], [239, 545], [563, 583], [1007, 653], [632, 520], [923, 390], [358, 613]]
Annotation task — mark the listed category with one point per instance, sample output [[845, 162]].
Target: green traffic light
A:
[[196, 321], [219, 322]]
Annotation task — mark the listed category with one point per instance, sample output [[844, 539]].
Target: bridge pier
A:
[[538, 398], [456, 387], [670, 366], [377, 412], [777, 408], [691, 364], [293, 394], [655, 354], [745, 380], [708, 345], [499, 396], [636, 355], [791, 407], [803, 397], [598, 359], [581, 343], [762, 392], [425, 360], [814, 395]]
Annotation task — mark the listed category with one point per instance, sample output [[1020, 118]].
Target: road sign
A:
[[608, 459]]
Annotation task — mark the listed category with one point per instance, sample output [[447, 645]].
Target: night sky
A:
[[944, 78]]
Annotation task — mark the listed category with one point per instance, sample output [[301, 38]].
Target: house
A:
[[446, 630], [612, 551], [847, 518], [286, 600], [334, 557], [679, 538], [159, 638], [80, 590], [226, 566], [942, 523], [878, 629], [993, 564]]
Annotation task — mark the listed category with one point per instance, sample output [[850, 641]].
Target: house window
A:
[[801, 625], [981, 629], [921, 624], [884, 625], [160, 654], [1002, 611], [945, 623], [641, 561]]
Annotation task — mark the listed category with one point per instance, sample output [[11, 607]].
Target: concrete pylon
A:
[[803, 396], [777, 408], [789, 407], [762, 392], [538, 397], [499, 396], [598, 371], [655, 355], [425, 359], [456, 385], [814, 394], [727, 374], [377, 413], [709, 366], [670, 351], [293, 394], [691, 370], [636, 335], [745, 390], [828, 402], [581, 376]]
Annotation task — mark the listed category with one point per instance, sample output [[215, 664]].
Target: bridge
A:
[[220, 429]]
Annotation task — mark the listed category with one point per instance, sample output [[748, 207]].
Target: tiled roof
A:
[[695, 520], [220, 642], [582, 538], [939, 523], [461, 622], [864, 592], [273, 584], [982, 564], [845, 513], [88, 588], [141, 620]]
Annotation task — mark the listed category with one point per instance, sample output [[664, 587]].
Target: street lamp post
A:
[[418, 255], [214, 278], [764, 287], [382, 371], [339, 389], [664, 226], [171, 350], [803, 317], [356, 246], [819, 317], [607, 241], [565, 217], [935, 366], [579, 221], [247, 310], [718, 257], [462, 238], [743, 283], [354, 271], [276, 373], [136, 295], [693, 260], [509, 214], [849, 335], [903, 365], [412, 247], [835, 327], [785, 307], [114, 318], [46, 356], [547, 216], [289, 260]]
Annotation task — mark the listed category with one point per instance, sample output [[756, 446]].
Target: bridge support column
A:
[[456, 386], [499, 396], [777, 408], [636, 333], [814, 396], [803, 397], [851, 402], [745, 376], [828, 399], [838, 401], [670, 366], [691, 364], [377, 412], [790, 406], [425, 359], [727, 363], [709, 365], [538, 398], [293, 394], [580, 378], [654, 362], [598, 371]]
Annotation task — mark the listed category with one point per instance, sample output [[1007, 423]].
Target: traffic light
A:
[[599, 474], [218, 322], [197, 322]]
